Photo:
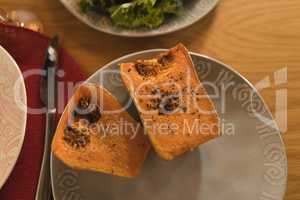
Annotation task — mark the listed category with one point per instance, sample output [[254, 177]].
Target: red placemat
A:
[[28, 48]]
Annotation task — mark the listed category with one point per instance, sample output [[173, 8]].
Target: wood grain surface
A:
[[255, 37]]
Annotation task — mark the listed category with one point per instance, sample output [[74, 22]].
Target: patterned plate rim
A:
[[22, 136]]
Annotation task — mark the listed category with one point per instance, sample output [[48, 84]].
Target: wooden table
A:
[[256, 37]]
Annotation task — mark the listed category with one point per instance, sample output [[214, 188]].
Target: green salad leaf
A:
[[94, 5], [172, 6], [135, 13]]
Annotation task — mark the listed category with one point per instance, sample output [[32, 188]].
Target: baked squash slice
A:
[[175, 109], [95, 134]]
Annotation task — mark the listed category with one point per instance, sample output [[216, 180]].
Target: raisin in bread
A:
[[173, 105], [91, 135]]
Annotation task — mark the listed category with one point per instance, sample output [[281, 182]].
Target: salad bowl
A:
[[193, 11]]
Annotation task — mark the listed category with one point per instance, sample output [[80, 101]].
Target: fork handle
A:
[[44, 191]]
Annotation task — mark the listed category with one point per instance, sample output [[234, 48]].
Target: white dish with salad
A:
[[139, 18]]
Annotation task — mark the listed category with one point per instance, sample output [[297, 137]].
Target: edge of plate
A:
[[24, 112]]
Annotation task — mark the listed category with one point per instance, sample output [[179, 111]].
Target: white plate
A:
[[249, 165], [12, 114], [194, 10]]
